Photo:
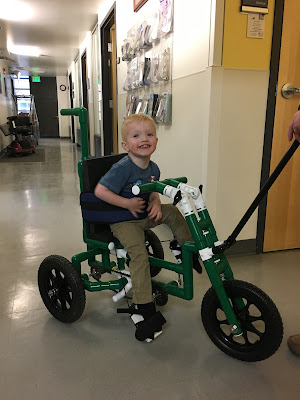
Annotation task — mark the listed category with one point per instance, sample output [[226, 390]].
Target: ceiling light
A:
[[23, 50], [15, 10]]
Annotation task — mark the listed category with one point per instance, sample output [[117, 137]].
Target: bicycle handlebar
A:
[[157, 186], [70, 111]]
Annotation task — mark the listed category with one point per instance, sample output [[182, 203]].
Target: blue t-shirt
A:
[[125, 174]]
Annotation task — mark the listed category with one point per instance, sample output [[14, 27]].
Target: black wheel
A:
[[61, 289], [259, 319], [160, 294], [155, 249]]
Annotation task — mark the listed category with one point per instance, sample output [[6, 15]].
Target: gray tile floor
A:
[[98, 357]]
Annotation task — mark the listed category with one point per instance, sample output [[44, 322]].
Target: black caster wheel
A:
[[155, 249], [160, 295], [259, 319], [61, 289]]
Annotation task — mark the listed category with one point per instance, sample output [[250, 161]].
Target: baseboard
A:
[[242, 247]]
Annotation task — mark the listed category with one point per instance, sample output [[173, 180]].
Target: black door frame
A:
[[106, 80], [72, 105], [84, 80], [85, 102], [270, 116]]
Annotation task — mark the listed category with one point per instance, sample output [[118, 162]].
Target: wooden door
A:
[[282, 225]]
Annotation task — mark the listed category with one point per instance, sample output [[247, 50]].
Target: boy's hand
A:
[[136, 205], [154, 210]]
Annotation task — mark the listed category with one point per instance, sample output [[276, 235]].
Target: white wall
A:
[[6, 104], [234, 152], [186, 138]]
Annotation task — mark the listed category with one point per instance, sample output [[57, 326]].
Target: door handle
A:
[[288, 90]]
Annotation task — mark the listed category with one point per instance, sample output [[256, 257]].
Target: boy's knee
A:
[[171, 212], [169, 209]]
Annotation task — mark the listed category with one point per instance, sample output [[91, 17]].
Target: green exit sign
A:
[[36, 79]]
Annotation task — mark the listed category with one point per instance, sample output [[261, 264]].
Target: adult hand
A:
[[294, 127]]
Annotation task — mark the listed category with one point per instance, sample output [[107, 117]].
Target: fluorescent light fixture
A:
[[14, 10], [23, 50]]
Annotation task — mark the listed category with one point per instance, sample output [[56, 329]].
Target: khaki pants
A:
[[131, 235]]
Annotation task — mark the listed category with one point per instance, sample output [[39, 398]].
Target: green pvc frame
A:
[[216, 267]]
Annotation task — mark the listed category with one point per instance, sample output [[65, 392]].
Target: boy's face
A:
[[140, 140]]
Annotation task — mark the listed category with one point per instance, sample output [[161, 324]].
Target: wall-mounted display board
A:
[[147, 50], [255, 6]]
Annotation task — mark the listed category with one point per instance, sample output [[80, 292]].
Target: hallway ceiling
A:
[[57, 27]]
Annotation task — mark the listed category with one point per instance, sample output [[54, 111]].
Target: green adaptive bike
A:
[[239, 317]]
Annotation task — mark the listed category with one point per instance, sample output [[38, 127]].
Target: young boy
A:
[[139, 141]]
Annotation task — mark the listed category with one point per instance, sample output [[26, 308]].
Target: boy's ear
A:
[[124, 145]]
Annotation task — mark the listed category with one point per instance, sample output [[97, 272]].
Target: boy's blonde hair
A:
[[140, 117]]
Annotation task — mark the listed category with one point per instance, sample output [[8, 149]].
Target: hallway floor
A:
[[98, 357]]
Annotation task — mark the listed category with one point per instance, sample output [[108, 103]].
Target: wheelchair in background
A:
[[24, 141]]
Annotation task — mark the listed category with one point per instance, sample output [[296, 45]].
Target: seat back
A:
[[94, 168], [20, 124], [92, 171], [22, 121]]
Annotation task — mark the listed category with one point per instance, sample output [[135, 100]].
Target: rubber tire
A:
[[155, 249], [160, 294], [271, 336], [61, 305]]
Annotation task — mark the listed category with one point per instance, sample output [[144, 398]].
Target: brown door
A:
[[282, 227]]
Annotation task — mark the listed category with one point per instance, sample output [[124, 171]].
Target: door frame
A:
[[71, 106], [85, 94], [84, 79], [270, 116], [106, 81]]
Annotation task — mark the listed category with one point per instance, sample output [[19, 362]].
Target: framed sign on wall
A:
[[137, 4]]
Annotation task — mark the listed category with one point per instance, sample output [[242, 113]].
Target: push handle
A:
[[83, 120]]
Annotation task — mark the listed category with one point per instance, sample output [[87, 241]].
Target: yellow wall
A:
[[240, 51]]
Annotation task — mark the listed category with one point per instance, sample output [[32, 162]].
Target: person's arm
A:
[[134, 205], [294, 127], [154, 207]]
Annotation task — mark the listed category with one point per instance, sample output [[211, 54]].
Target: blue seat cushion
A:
[[98, 211]]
